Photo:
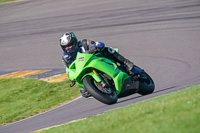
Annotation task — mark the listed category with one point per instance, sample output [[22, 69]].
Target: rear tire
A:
[[146, 86], [89, 84]]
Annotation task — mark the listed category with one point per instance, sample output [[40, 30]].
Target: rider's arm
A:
[[91, 46], [67, 59], [64, 62]]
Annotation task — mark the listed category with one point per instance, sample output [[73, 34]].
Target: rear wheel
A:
[[99, 91], [146, 85]]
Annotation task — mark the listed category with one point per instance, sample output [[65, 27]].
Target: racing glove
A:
[[96, 47], [92, 50]]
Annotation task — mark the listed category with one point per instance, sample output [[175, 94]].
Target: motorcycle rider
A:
[[70, 46]]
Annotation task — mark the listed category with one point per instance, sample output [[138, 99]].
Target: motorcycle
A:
[[107, 80]]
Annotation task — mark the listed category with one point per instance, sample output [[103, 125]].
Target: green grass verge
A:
[[3, 1], [178, 112], [21, 98]]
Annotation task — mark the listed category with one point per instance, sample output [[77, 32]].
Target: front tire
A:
[[89, 84]]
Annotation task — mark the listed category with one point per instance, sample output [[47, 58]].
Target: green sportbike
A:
[[107, 80]]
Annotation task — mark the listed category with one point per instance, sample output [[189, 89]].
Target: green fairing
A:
[[84, 61]]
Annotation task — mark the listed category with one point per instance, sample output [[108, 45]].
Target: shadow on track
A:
[[155, 92]]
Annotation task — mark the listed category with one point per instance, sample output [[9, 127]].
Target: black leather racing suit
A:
[[89, 46]]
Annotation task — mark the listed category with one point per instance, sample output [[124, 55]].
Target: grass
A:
[[21, 98], [3, 1], [178, 112]]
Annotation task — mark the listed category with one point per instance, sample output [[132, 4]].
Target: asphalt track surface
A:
[[163, 37]]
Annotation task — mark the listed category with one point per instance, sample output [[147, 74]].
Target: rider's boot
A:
[[84, 93], [129, 65]]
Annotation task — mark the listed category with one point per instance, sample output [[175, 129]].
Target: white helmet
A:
[[68, 39]]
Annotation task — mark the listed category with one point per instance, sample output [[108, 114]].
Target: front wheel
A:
[[102, 94], [146, 85]]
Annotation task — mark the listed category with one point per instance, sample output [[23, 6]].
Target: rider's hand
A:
[[96, 47], [100, 46], [92, 50]]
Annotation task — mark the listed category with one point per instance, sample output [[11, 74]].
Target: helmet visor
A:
[[68, 47]]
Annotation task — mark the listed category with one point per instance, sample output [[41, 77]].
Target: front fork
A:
[[99, 79], [103, 85], [95, 75]]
